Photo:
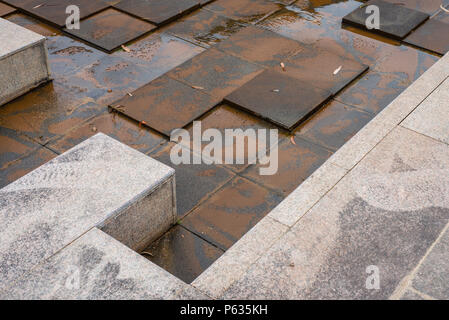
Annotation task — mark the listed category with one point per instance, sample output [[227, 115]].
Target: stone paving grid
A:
[[82, 117]]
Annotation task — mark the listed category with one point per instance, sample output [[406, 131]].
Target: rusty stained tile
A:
[[159, 52], [204, 27], [15, 169], [278, 98], [13, 144], [46, 112], [326, 34], [54, 11], [165, 104], [67, 55], [387, 79], [231, 212], [226, 117], [261, 46], [109, 29], [157, 11], [333, 125], [426, 6], [323, 69], [245, 11], [108, 79], [432, 36], [5, 9], [33, 24], [194, 182], [396, 21], [118, 127], [182, 253], [295, 163], [215, 72]]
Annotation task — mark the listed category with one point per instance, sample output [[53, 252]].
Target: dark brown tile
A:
[[194, 182], [246, 11], [157, 11], [182, 253], [33, 24], [323, 69], [432, 36], [225, 118], [54, 11], [278, 98], [5, 9], [47, 112], [396, 21], [261, 46], [165, 104], [297, 161], [333, 125], [231, 212], [159, 52], [15, 169], [118, 127], [427, 6], [205, 28], [215, 72], [111, 28], [13, 145]]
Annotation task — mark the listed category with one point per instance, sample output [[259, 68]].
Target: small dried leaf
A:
[[129, 94], [444, 9], [283, 66], [109, 90], [275, 90], [292, 139], [125, 48], [337, 70], [147, 253], [39, 5], [94, 129], [197, 87]]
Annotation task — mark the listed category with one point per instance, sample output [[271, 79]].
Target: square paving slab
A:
[[323, 69], [396, 21], [432, 35], [215, 72], [5, 9], [278, 98], [165, 104], [260, 45], [109, 29], [54, 11], [157, 11]]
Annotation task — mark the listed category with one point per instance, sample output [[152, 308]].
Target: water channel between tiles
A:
[[216, 62]]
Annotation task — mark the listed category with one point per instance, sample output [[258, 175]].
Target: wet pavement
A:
[[217, 204]]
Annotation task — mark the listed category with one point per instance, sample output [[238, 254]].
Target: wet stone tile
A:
[[426, 6], [323, 69], [432, 36], [205, 28], [157, 11], [54, 11], [226, 117], [396, 21], [108, 79], [261, 46], [333, 9], [231, 212], [13, 145], [47, 112], [118, 127], [109, 29], [15, 169], [194, 182], [165, 104], [333, 125], [296, 163], [215, 72], [442, 15], [159, 52], [182, 253], [278, 98], [33, 24], [245, 11], [5, 9]]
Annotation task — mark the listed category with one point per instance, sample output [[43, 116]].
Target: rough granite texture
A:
[[23, 53], [87, 186], [96, 266]]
